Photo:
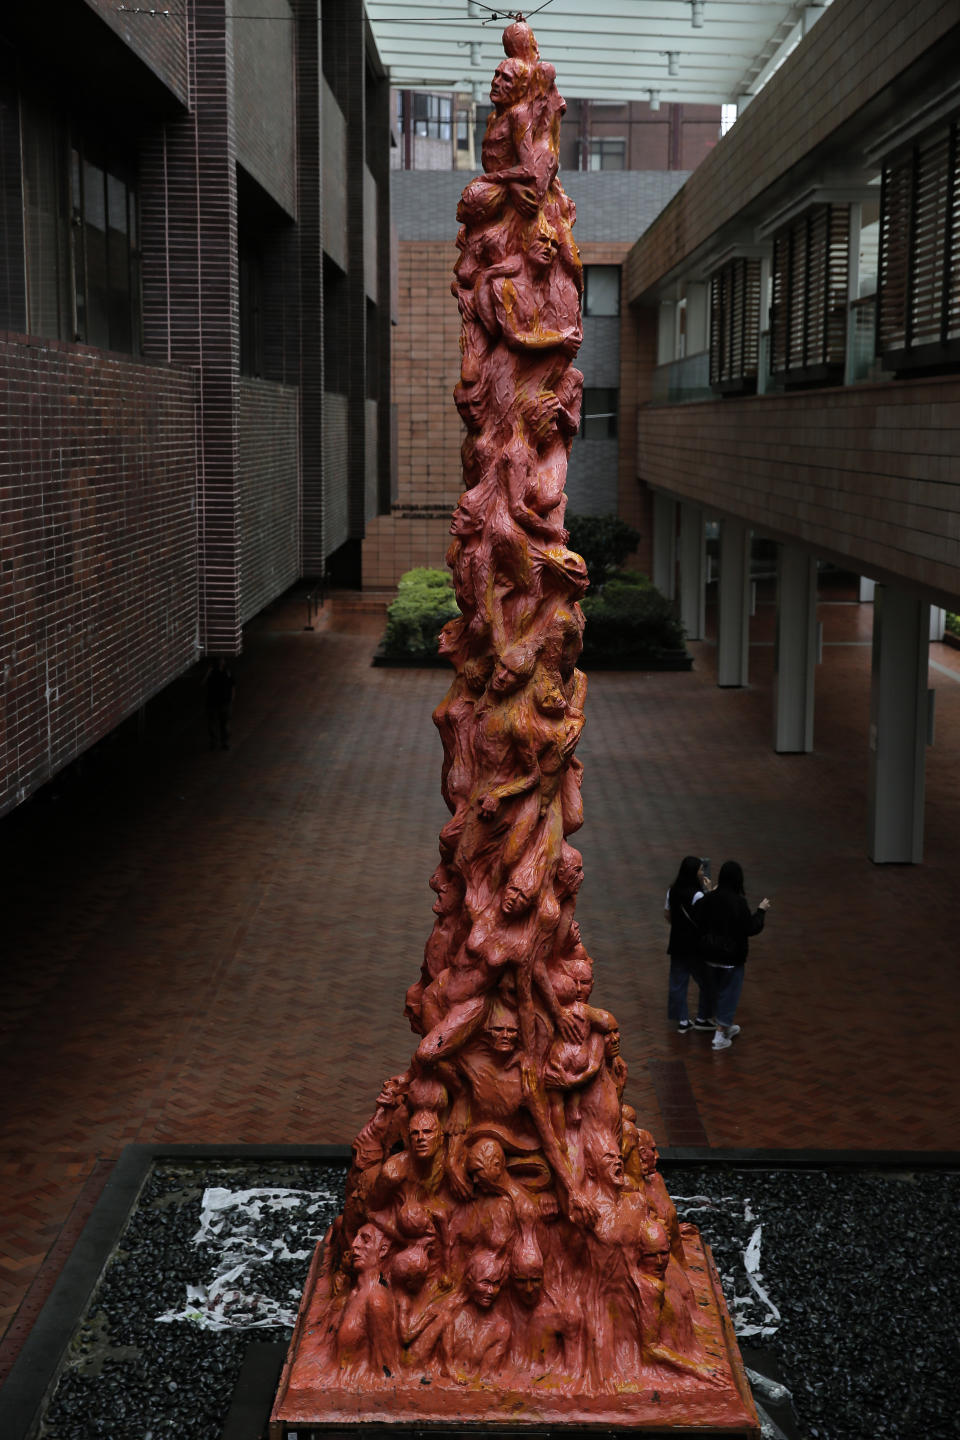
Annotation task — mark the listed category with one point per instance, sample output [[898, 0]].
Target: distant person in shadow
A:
[[219, 688], [687, 890], [726, 923]]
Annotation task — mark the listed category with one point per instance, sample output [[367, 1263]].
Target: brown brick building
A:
[[797, 336], [194, 358]]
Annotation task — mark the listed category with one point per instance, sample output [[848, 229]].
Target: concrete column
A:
[[693, 570], [665, 545], [938, 622], [733, 604], [898, 726], [795, 655], [866, 590]]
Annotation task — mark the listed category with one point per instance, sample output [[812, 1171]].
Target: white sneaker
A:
[[733, 1030], [720, 1041]]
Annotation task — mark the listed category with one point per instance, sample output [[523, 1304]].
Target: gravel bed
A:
[[840, 1282]]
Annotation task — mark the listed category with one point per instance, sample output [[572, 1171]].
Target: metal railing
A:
[[682, 381]]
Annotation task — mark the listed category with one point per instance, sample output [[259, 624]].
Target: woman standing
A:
[[726, 924], [686, 891]]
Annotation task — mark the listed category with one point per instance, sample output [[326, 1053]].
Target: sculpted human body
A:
[[491, 1240]]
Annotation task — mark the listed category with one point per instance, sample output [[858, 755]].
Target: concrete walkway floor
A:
[[214, 947]]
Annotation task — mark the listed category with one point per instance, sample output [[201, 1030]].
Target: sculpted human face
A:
[[543, 250], [654, 1261], [515, 899], [462, 523], [470, 401], [583, 979], [446, 891], [611, 1044], [528, 1289], [502, 1037], [425, 1135], [485, 1167], [367, 1249], [648, 1153], [483, 1284], [611, 1168], [506, 86], [505, 679]]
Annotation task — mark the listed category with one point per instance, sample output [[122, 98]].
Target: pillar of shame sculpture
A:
[[508, 1253]]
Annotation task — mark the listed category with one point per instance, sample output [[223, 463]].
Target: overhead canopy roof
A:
[[621, 51]]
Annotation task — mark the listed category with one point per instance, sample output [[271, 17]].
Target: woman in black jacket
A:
[[726, 923], [684, 947]]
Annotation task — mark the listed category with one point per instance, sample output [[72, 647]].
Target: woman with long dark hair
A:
[[687, 890], [726, 923]]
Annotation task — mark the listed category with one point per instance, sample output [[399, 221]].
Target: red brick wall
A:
[[425, 367], [269, 493], [98, 582], [867, 474], [190, 300]]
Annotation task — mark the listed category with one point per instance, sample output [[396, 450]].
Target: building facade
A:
[[797, 330], [194, 341]]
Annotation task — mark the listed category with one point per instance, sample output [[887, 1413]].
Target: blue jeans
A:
[[681, 970], [727, 987]]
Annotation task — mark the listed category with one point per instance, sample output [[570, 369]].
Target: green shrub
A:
[[953, 623], [425, 602], [630, 621], [604, 541]]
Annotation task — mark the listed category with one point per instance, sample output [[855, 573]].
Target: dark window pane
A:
[[598, 419], [601, 290], [45, 225], [118, 266], [95, 242], [78, 247]]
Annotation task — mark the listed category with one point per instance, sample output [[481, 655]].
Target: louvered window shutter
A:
[[734, 326], [808, 311], [919, 283]]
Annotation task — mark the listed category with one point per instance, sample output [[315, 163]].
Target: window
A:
[[735, 326], [601, 290], [919, 274], [598, 418], [601, 153], [251, 308], [808, 306], [81, 236], [463, 130], [432, 116]]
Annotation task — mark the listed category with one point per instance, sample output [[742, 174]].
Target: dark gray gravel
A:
[[855, 1276]]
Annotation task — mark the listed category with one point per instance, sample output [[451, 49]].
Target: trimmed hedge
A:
[[425, 602], [630, 620], [604, 541]]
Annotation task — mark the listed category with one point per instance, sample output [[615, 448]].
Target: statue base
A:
[[314, 1400]]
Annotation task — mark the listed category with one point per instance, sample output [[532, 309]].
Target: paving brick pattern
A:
[[214, 947]]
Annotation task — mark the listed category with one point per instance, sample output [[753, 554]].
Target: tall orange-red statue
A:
[[508, 1253]]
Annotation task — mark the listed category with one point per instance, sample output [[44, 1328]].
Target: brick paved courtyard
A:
[[214, 947]]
